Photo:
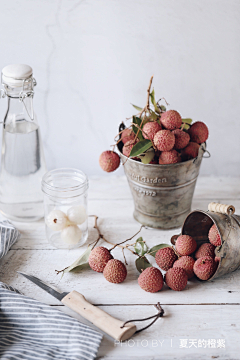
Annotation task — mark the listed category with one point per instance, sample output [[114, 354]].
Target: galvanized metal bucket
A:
[[197, 225], [162, 194]]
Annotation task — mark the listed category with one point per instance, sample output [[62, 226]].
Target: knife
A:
[[77, 302]]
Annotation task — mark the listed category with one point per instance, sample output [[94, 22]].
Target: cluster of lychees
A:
[[182, 263], [171, 142], [101, 260]]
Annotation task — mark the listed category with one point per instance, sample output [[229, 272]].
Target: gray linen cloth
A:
[[31, 330]]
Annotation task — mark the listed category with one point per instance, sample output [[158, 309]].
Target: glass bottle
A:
[[22, 159]]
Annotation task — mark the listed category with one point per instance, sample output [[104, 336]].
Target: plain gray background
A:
[[92, 58]]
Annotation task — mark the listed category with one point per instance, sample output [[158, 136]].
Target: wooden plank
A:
[[194, 325]]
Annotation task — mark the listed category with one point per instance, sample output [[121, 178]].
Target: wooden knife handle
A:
[[98, 317]]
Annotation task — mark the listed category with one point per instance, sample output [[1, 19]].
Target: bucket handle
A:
[[221, 208]]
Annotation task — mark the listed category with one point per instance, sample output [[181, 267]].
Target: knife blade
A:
[[77, 302]]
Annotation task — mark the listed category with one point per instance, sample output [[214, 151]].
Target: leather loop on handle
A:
[[98, 317], [221, 208]]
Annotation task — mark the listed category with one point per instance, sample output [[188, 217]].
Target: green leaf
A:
[[154, 116], [155, 248], [137, 107], [152, 96], [140, 247], [187, 121], [142, 263], [163, 108], [147, 157], [186, 127], [138, 121], [80, 263], [140, 147]]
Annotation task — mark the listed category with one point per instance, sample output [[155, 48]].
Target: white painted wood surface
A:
[[203, 314]]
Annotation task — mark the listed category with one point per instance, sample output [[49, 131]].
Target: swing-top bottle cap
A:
[[15, 74]]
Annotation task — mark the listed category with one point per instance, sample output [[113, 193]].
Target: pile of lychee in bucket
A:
[[171, 140], [180, 264]]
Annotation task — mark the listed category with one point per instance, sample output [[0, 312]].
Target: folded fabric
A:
[[31, 330]]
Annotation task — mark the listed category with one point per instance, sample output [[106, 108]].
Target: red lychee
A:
[[191, 151], [176, 278], [164, 140], [98, 258], [128, 147], [186, 263], [182, 139], [109, 161], [151, 280], [169, 157], [165, 258], [150, 129], [115, 271], [205, 249], [214, 236], [127, 135], [198, 132], [204, 267], [185, 245], [171, 120]]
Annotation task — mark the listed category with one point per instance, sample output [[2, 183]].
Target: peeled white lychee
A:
[[56, 220], [71, 234], [77, 214]]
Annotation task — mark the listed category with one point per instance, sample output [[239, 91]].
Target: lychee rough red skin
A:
[[164, 140], [171, 120], [169, 157], [165, 258], [198, 132], [182, 139], [214, 236], [127, 135], [115, 271], [206, 249], [190, 151], [99, 258], [150, 129], [204, 267], [151, 280], [128, 147], [185, 245], [186, 263], [109, 161], [176, 278]]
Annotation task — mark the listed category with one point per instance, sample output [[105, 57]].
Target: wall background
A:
[[92, 58]]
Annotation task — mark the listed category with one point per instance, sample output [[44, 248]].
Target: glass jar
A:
[[65, 207]]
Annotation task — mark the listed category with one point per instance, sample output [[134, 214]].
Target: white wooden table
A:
[[201, 322]]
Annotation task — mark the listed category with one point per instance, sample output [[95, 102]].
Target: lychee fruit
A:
[[99, 258], [115, 271], [182, 139], [169, 157], [164, 140], [128, 147], [214, 236], [165, 258], [150, 129], [190, 151], [186, 263], [171, 120], [127, 135], [204, 267], [185, 245], [109, 161], [151, 280], [205, 249], [176, 278], [198, 132]]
